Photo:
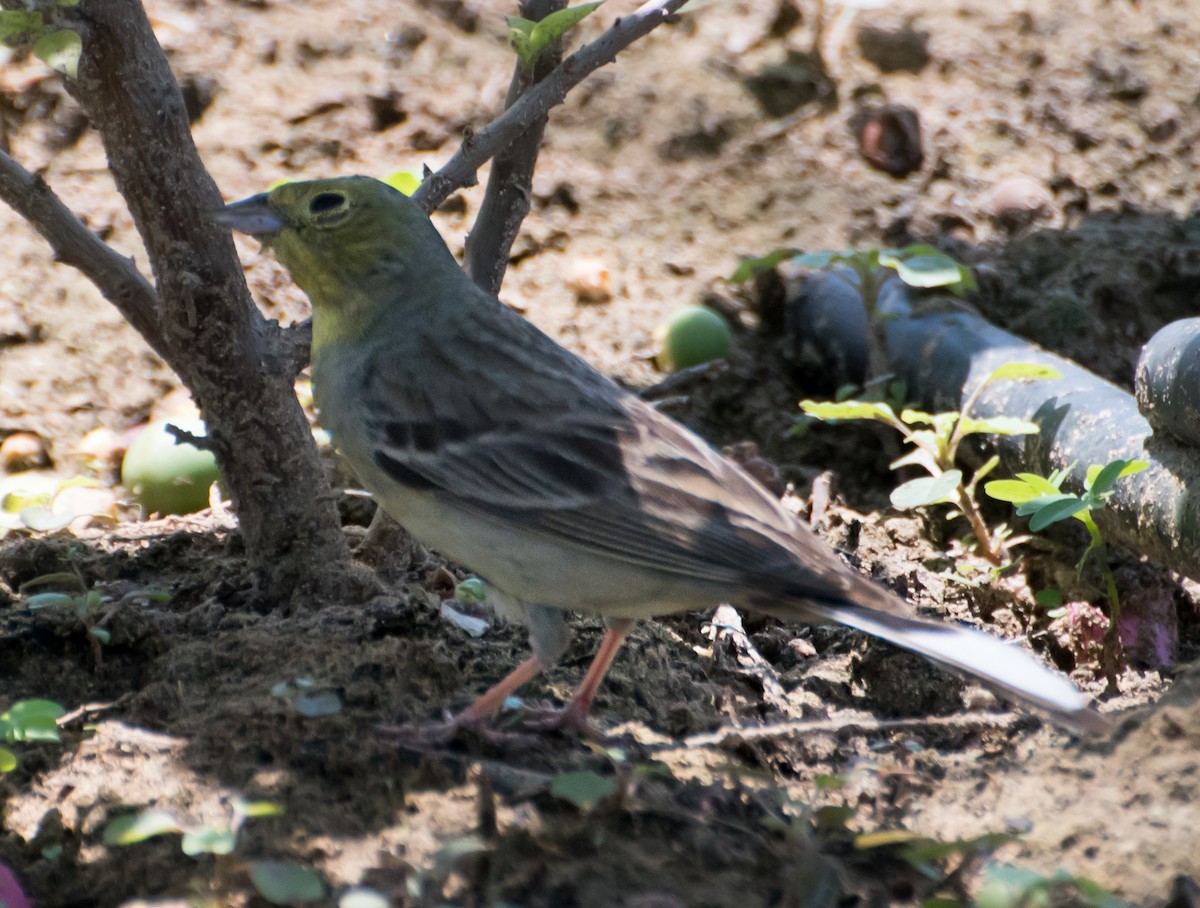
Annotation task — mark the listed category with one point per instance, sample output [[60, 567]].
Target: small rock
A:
[[1160, 121], [894, 50], [590, 278], [790, 84], [102, 449], [1017, 200]]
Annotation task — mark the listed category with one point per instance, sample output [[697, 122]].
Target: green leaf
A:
[[926, 490], [471, 590], [100, 634], [1041, 483], [17, 28], [818, 261], [583, 789], [1050, 509], [60, 51], [282, 883], [999, 425], [1022, 371], [748, 267], [130, 830], [31, 720], [926, 271], [404, 181], [255, 809], [1101, 479], [829, 782], [1097, 896], [208, 840], [916, 417], [1048, 598], [849, 409], [1006, 886], [8, 760], [885, 838], [557, 24], [528, 39], [47, 579], [43, 520], [48, 600]]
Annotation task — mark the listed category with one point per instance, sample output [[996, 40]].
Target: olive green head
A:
[[351, 243]]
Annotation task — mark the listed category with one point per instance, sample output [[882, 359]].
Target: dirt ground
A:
[[664, 168]]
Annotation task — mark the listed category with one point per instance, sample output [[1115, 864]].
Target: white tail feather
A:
[[982, 656]]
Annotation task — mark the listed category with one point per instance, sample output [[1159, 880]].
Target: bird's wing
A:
[[581, 461]]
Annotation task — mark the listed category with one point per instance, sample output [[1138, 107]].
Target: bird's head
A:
[[349, 242]]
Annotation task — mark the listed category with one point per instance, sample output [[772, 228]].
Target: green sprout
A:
[[58, 48], [529, 39], [91, 608], [1042, 500], [201, 839], [1006, 886], [935, 439], [28, 720]]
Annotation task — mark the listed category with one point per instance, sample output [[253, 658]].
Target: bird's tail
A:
[[1000, 665]]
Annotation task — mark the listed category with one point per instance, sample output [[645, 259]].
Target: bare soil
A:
[[664, 168]]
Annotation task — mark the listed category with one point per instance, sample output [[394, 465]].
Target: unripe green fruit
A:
[[692, 336], [165, 477]]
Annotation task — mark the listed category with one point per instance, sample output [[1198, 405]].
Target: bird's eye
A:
[[326, 202]]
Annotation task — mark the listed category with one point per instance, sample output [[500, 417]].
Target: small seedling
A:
[[935, 440], [285, 883], [1042, 500], [218, 840], [279, 882], [1006, 886], [529, 39], [28, 720], [945, 864], [91, 607]]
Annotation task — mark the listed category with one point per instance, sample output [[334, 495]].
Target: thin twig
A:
[[839, 726], [114, 275], [479, 147], [506, 203]]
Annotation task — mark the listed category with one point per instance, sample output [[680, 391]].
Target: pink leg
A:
[[576, 713], [489, 703]]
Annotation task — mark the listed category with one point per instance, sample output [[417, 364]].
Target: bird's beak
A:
[[255, 216]]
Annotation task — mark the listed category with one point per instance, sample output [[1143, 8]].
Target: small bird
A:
[[502, 450]]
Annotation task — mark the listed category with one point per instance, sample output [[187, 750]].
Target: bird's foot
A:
[[567, 720], [522, 728], [462, 729]]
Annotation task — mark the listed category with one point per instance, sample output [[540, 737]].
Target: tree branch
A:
[[479, 147], [114, 275], [506, 203]]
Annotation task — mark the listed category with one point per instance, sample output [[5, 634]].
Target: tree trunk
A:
[[235, 363]]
